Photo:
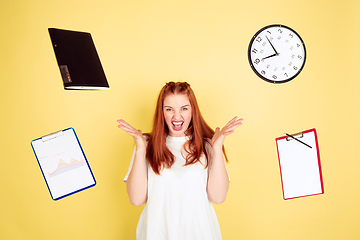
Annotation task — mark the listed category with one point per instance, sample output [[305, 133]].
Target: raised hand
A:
[[135, 133], [219, 135]]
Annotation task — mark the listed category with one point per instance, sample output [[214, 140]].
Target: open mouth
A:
[[177, 126]]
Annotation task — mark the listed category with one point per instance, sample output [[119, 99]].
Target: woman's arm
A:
[[218, 181], [136, 183]]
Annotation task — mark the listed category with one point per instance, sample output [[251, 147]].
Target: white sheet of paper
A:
[[300, 166], [63, 164]]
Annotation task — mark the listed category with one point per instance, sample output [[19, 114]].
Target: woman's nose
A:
[[177, 115]]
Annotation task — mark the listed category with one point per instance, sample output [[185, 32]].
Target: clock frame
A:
[[277, 53]]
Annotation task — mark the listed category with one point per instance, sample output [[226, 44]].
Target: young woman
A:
[[178, 169]]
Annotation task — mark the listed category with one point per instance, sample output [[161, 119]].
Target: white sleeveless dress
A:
[[177, 207]]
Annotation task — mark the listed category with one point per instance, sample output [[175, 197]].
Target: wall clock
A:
[[277, 53]]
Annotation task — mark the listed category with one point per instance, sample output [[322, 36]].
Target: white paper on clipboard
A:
[[63, 163], [300, 166]]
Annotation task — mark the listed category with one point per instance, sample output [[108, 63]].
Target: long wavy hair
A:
[[199, 133]]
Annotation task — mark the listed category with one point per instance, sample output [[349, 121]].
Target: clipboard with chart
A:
[[63, 163], [300, 167]]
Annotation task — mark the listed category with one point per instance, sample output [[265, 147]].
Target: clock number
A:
[[291, 35], [274, 77], [286, 75], [257, 61], [254, 50], [263, 72], [258, 39], [295, 68], [298, 45], [300, 57], [268, 31], [280, 30]]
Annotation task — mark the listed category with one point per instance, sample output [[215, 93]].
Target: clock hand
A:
[[271, 45], [276, 54]]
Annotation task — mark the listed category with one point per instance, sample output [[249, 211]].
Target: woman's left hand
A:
[[219, 135]]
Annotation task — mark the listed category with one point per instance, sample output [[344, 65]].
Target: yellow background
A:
[[144, 44]]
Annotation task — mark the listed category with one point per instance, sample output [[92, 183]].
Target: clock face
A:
[[277, 53]]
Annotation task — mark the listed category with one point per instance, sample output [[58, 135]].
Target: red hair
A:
[[199, 132]]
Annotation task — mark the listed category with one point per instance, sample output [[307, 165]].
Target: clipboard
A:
[[63, 163], [300, 167]]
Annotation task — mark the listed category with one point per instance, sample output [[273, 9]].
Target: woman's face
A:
[[177, 114]]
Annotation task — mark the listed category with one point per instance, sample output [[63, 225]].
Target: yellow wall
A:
[[142, 45]]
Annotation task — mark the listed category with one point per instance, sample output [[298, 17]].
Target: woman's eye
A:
[[168, 109], [184, 109]]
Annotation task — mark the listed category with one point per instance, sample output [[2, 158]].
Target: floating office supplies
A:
[[78, 61], [63, 163], [300, 168]]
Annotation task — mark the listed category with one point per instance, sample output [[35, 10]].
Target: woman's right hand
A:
[[136, 183], [135, 133]]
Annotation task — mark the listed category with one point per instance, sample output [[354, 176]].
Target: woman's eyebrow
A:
[[186, 105]]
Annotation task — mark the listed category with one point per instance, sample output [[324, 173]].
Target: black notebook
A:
[[78, 60]]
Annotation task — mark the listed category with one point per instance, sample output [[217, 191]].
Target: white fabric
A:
[[177, 207]]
